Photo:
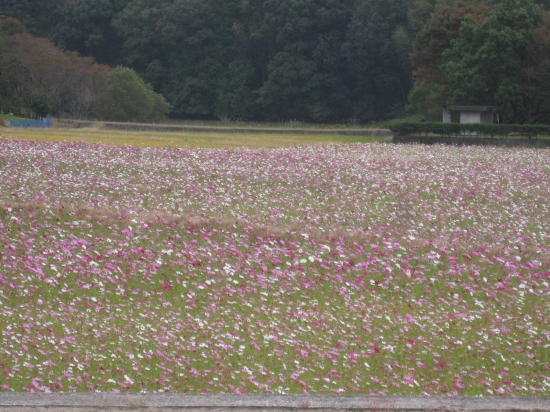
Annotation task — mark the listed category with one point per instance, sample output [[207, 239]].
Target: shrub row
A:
[[10, 117], [458, 129]]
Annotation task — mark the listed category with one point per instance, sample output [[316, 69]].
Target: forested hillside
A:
[[310, 60]]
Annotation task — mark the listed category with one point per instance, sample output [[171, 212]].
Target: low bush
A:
[[10, 117], [473, 129], [127, 98]]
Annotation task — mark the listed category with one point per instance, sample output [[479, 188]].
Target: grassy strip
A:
[[183, 139], [289, 124]]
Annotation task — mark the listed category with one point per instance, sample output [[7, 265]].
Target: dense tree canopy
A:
[[37, 78], [487, 62], [431, 90], [312, 60], [86, 28], [476, 54]]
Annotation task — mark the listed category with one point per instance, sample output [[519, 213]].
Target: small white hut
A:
[[471, 114]]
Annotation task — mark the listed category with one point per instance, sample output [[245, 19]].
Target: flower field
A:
[[374, 269]]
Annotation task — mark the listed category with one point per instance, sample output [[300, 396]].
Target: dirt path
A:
[[23, 402]]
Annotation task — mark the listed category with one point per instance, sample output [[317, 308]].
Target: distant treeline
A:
[[310, 60]]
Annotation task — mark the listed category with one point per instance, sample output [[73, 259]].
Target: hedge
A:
[[473, 129], [10, 117]]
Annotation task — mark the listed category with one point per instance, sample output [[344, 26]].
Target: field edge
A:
[[258, 403]]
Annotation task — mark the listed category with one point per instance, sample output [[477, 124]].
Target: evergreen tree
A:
[[381, 74], [86, 28]]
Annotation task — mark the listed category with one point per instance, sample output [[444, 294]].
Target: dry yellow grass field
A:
[[180, 139]]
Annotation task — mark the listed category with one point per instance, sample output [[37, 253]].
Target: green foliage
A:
[[431, 90], [311, 60], [11, 117], [236, 99], [128, 98], [38, 16], [38, 78], [8, 68], [41, 106], [185, 49], [303, 58], [86, 28], [426, 100], [139, 24], [377, 63], [474, 129], [485, 62], [4, 71], [474, 54], [11, 26]]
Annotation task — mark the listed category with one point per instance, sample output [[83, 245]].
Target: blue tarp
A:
[[47, 122]]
